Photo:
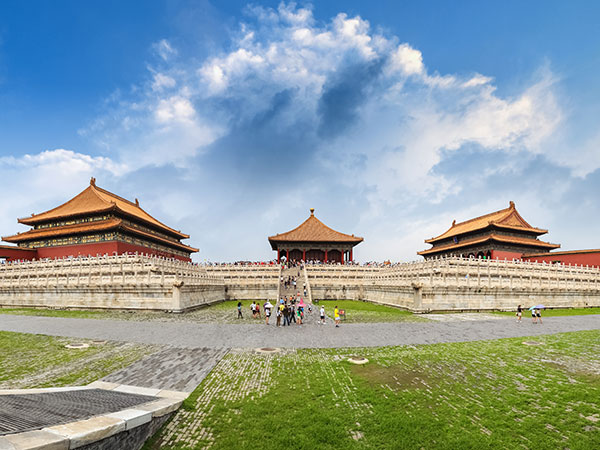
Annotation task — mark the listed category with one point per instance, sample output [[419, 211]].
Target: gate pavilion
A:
[[312, 240]]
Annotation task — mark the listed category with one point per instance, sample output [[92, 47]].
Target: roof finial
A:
[[511, 204], [312, 211], [92, 181], [454, 222], [137, 202]]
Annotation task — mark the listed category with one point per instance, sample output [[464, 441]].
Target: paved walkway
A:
[[311, 335], [176, 369]]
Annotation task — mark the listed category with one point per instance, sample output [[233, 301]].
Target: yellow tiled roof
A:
[[491, 237], [95, 200], [507, 218], [313, 230]]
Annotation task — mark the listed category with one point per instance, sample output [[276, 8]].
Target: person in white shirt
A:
[[322, 314]]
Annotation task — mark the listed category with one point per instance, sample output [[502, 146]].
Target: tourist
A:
[[267, 307], [322, 315], [533, 316], [286, 315], [538, 313], [239, 307], [278, 314], [253, 309], [519, 313], [292, 314], [336, 316], [299, 313]]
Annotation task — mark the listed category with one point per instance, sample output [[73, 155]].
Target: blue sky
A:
[[229, 120]]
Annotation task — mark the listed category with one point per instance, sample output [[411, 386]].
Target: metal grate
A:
[[26, 412]]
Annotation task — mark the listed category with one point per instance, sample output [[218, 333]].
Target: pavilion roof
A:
[[90, 227], [313, 230], [94, 200], [507, 218], [530, 242]]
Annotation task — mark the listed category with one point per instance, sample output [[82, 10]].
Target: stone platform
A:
[[101, 415]]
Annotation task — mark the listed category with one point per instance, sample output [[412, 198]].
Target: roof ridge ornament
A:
[[511, 204], [454, 222], [312, 211], [93, 182], [137, 203]]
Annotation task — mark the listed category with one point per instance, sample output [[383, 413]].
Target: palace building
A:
[[312, 240], [498, 235], [95, 222]]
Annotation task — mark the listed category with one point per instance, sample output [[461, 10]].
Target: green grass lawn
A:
[[555, 312], [357, 311], [476, 395], [28, 360], [222, 312]]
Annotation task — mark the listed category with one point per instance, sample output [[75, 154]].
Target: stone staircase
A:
[[293, 273]]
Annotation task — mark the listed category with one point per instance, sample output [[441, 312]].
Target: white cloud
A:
[[164, 49], [162, 81], [407, 60]]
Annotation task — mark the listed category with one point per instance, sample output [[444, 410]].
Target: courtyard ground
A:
[[540, 393], [33, 361]]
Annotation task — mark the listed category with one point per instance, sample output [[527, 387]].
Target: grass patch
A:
[[222, 312], [554, 312], [29, 361], [357, 312], [490, 394]]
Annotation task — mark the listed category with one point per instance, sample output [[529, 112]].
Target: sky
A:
[[229, 120]]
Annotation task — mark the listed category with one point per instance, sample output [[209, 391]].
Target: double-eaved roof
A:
[[95, 201], [464, 234], [313, 230]]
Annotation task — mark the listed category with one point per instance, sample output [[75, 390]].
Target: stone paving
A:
[[310, 335], [177, 369]]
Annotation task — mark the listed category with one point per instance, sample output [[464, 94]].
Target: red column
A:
[[325, 255], [351, 255], [278, 256], [287, 255], [303, 255], [343, 256]]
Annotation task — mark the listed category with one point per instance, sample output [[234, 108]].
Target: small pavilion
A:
[[312, 240]]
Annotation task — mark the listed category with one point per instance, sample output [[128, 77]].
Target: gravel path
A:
[[310, 335]]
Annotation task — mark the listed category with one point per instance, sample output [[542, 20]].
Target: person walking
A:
[[336, 316], [239, 307], [292, 314], [519, 313], [267, 307], [322, 315], [538, 313], [278, 314], [533, 316]]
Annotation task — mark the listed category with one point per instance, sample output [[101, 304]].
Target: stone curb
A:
[[76, 434]]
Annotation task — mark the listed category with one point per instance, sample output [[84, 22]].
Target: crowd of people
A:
[[287, 311]]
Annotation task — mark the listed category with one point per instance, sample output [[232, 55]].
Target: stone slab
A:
[[34, 440], [136, 390], [132, 417], [176, 395], [103, 385], [161, 407], [86, 431]]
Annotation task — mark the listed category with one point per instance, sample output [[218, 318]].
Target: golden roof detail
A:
[[313, 230], [94, 200], [507, 218], [491, 237]]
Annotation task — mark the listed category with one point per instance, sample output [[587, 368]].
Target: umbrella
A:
[[537, 307], [268, 305]]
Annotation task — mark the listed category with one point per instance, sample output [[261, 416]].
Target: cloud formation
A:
[[337, 113]]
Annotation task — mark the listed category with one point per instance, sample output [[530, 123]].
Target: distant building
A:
[[312, 240], [498, 235], [95, 222]]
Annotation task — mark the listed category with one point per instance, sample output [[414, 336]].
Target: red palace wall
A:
[[16, 253], [99, 248], [591, 258], [498, 254]]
